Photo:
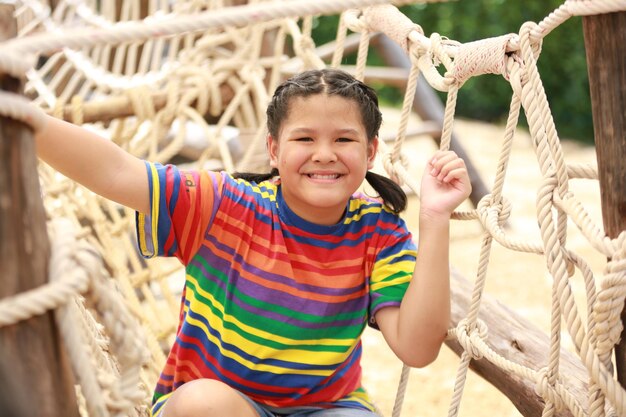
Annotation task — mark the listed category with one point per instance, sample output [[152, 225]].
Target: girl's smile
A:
[[321, 164]]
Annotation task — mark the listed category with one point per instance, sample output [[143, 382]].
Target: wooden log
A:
[[605, 44], [107, 109], [518, 340], [36, 380], [428, 106]]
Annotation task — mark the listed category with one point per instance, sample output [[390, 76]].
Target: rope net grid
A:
[[189, 81]]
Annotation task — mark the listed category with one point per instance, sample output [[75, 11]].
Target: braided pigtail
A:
[[392, 195], [254, 177]]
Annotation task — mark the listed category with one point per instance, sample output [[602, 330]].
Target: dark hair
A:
[[340, 83]]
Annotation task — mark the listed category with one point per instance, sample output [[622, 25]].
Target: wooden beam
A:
[[107, 109], [36, 380], [605, 44], [518, 340]]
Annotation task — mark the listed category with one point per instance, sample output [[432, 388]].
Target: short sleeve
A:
[[392, 271], [182, 206]]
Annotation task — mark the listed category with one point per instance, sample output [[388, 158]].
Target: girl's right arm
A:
[[94, 162]]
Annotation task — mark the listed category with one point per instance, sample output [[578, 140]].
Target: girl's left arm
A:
[[416, 330]]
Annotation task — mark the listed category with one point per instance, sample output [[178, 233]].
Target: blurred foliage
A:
[[562, 63]]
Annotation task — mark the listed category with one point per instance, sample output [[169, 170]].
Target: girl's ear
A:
[[272, 148], [372, 148]]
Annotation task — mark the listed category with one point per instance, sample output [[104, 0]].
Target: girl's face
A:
[[322, 154]]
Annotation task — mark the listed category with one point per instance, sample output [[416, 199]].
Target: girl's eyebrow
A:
[[306, 130], [349, 131]]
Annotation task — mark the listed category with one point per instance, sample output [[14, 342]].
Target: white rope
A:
[[19, 108], [513, 56], [13, 51]]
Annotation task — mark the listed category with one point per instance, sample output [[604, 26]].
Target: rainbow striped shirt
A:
[[273, 306]]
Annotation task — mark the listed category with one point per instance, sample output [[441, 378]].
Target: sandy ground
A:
[[518, 280]]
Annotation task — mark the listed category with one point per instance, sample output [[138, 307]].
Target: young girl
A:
[[285, 270]]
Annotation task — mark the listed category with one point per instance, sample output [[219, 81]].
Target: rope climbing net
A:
[[189, 81]]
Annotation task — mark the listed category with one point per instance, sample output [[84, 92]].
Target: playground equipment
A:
[[148, 74]]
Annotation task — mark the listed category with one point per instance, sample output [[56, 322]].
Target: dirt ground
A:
[[517, 279]]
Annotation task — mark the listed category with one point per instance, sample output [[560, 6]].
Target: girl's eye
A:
[[305, 139], [344, 140]]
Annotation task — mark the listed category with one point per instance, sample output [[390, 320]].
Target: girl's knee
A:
[[207, 398]]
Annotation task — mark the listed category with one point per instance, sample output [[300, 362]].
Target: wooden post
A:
[[36, 380], [605, 43]]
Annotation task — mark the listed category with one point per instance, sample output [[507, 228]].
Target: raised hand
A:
[[445, 184]]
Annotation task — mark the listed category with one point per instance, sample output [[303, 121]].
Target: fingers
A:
[[446, 166]]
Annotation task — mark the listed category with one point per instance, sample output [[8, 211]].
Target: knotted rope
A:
[[193, 89]]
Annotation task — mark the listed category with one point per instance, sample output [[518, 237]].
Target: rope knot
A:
[[547, 390], [610, 299], [468, 334], [514, 72], [437, 53], [386, 18], [619, 255], [486, 56], [530, 43], [389, 159], [352, 19], [490, 211]]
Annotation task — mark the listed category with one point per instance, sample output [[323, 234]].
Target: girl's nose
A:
[[324, 153]]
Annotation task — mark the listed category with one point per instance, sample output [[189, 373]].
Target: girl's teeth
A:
[[324, 177]]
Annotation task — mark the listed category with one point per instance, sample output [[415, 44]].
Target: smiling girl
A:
[[285, 270]]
